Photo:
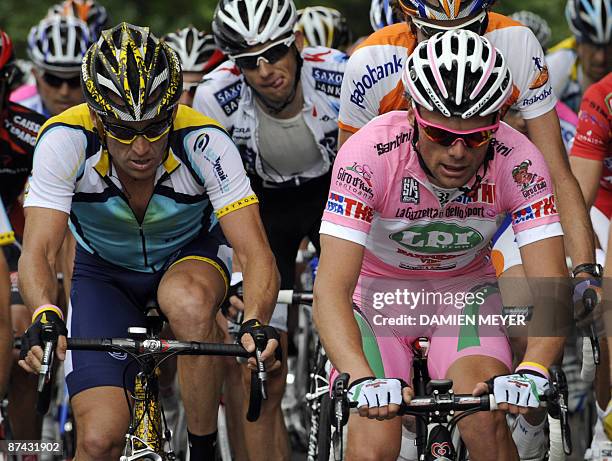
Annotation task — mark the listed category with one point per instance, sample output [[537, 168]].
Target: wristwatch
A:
[[590, 268]]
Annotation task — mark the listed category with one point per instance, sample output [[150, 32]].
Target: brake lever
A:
[[560, 395], [262, 375]]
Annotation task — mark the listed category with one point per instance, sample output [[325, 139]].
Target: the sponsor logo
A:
[[484, 193], [23, 129], [529, 183], [220, 175], [401, 138], [410, 191], [441, 449], [538, 98], [362, 170], [316, 57], [349, 207], [241, 134], [201, 142], [438, 238], [501, 148], [372, 76], [354, 182], [427, 259], [542, 75], [118, 355], [228, 97], [539, 209], [440, 213], [327, 81]]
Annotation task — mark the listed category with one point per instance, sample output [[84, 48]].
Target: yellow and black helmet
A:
[[129, 74]]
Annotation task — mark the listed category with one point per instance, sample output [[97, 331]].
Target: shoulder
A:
[[75, 118], [513, 148], [321, 56], [220, 90], [393, 35], [600, 92], [24, 119], [384, 134], [505, 34], [188, 118]]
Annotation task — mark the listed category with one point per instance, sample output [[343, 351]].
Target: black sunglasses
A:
[[476, 25], [127, 135], [57, 82], [271, 54]]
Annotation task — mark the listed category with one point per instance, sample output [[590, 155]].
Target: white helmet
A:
[[323, 26], [241, 24], [196, 50], [58, 43], [458, 73], [590, 20]]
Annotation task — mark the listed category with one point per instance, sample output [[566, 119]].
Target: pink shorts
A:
[[460, 316]]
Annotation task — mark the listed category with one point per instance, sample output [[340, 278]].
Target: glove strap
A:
[[534, 367], [47, 307]]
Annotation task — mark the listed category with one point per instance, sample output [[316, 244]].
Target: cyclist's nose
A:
[[458, 148], [140, 145], [264, 68]]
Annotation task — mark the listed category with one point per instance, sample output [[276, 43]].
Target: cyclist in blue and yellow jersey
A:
[[154, 194]]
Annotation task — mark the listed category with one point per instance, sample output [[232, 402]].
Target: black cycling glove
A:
[[32, 336], [261, 334]]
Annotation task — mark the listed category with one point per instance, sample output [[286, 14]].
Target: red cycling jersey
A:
[[594, 137]]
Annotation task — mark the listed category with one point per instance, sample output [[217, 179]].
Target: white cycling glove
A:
[[520, 389], [372, 392]]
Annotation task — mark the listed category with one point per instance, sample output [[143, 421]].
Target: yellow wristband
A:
[[47, 307], [534, 366]]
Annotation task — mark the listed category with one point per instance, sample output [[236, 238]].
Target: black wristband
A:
[[589, 268]]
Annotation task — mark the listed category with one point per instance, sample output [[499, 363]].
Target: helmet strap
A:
[[278, 108]]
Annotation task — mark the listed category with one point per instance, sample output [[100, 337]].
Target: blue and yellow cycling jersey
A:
[[200, 180]]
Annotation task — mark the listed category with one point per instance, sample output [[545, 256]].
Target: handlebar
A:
[[158, 347]]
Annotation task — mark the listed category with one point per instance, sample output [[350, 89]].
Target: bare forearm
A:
[[578, 234], [37, 280], [340, 335], [545, 351], [261, 283]]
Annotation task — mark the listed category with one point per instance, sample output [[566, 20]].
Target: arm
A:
[[587, 173], [245, 232], [42, 239], [544, 262], [343, 136], [6, 329], [545, 133], [337, 275]]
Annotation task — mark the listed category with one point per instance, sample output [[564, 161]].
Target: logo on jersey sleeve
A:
[[410, 191], [529, 183], [349, 207], [538, 98], [228, 97], [373, 75], [539, 209], [356, 178], [438, 238], [327, 81], [542, 75]]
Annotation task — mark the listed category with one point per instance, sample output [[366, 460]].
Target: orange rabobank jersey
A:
[[372, 82]]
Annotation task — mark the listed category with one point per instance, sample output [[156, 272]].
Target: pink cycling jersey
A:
[[380, 197], [431, 240]]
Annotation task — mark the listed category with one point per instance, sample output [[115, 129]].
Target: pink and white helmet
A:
[[458, 73]]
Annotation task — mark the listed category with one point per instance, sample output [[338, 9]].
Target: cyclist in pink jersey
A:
[[414, 202]]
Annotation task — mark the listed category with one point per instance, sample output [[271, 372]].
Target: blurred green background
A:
[[17, 16]]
